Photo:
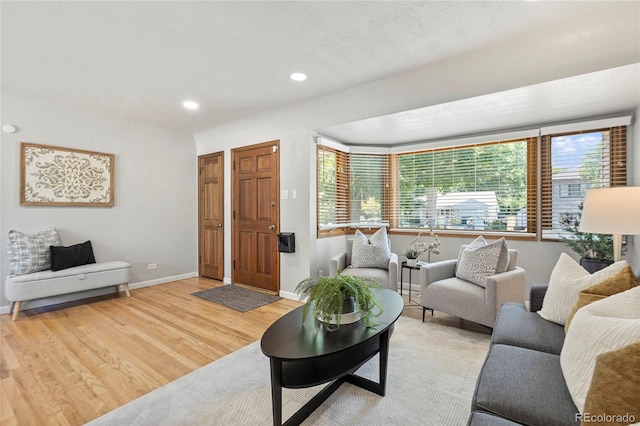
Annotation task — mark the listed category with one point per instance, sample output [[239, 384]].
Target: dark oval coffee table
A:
[[305, 354]]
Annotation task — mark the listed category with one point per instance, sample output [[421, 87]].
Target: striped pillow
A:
[[31, 253]]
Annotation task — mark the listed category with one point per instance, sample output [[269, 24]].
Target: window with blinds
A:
[[332, 188], [476, 187], [494, 186], [369, 189], [573, 163], [353, 190]]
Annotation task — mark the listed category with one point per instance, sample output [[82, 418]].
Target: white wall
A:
[[551, 54], [154, 219]]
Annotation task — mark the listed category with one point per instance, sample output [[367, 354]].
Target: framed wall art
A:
[[54, 176]]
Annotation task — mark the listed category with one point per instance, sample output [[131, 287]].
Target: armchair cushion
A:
[[441, 290], [387, 277], [480, 260], [373, 252]]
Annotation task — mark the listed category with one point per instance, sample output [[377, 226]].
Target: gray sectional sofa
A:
[[521, 381]]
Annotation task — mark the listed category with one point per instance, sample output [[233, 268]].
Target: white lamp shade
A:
[[612, 211]]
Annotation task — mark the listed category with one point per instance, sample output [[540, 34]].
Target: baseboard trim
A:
[[38, 303], [163, 280], [288, 295]]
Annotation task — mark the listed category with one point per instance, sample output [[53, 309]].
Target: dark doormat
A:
[[238, 298]]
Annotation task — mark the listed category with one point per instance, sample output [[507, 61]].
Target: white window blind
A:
[[574, 162], [332, 187], [352, 189], [368, 185], [474, 187]]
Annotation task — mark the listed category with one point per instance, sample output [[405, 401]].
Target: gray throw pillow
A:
[[31, 253], [371, 253], [479, 260]]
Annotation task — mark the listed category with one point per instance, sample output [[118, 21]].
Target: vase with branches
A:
[[418, 247]]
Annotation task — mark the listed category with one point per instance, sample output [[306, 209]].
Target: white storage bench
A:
[[49, 283]]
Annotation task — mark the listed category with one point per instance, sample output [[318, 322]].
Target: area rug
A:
[[238, 298], [431, 377]]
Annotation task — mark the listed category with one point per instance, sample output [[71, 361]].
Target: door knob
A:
[[219, 225], [272, 227]]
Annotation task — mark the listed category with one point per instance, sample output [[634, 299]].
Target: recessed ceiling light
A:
[[190, 104], [298, 76]]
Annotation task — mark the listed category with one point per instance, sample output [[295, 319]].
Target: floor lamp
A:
[[613, 211]]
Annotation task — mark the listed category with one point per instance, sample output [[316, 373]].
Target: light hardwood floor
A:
[[68, 364]]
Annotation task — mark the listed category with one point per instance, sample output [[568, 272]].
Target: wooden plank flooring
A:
[[68, 364]]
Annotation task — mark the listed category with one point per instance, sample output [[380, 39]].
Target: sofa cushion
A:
[[479, 418], [568, 278], [516, 326], [600, 327], [30, 253], [620, 281], [524, 386], [373, 252], [480, 260], [456, 297], [68, 257]]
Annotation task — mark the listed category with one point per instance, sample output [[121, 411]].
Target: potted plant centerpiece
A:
[[595, 250], [342, 299], [412, 254]]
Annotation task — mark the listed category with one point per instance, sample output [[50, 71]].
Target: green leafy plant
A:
[[411, 253], [326, 297], [587, 245]]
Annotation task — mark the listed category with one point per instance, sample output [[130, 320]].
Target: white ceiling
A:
[[602, 93], [140, 60]]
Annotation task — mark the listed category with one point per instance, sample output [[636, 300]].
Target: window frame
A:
[[617, 174], [531, 170], [538, 182]]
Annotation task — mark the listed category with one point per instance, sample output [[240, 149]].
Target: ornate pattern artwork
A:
[[54, 176]]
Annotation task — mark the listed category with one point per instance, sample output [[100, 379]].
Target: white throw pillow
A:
[[599, 327], [479, 260], [567, 279], [30, 253], [373, 252]]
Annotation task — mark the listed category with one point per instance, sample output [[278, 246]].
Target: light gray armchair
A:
[[440, 290], [388, 278]]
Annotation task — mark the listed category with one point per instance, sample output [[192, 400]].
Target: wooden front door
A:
[[211, 215], [256, 216]]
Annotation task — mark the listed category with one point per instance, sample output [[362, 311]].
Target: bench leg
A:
[[126, 289], [16, 309]]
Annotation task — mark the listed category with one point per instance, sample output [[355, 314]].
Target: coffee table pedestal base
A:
[[357, 357]]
